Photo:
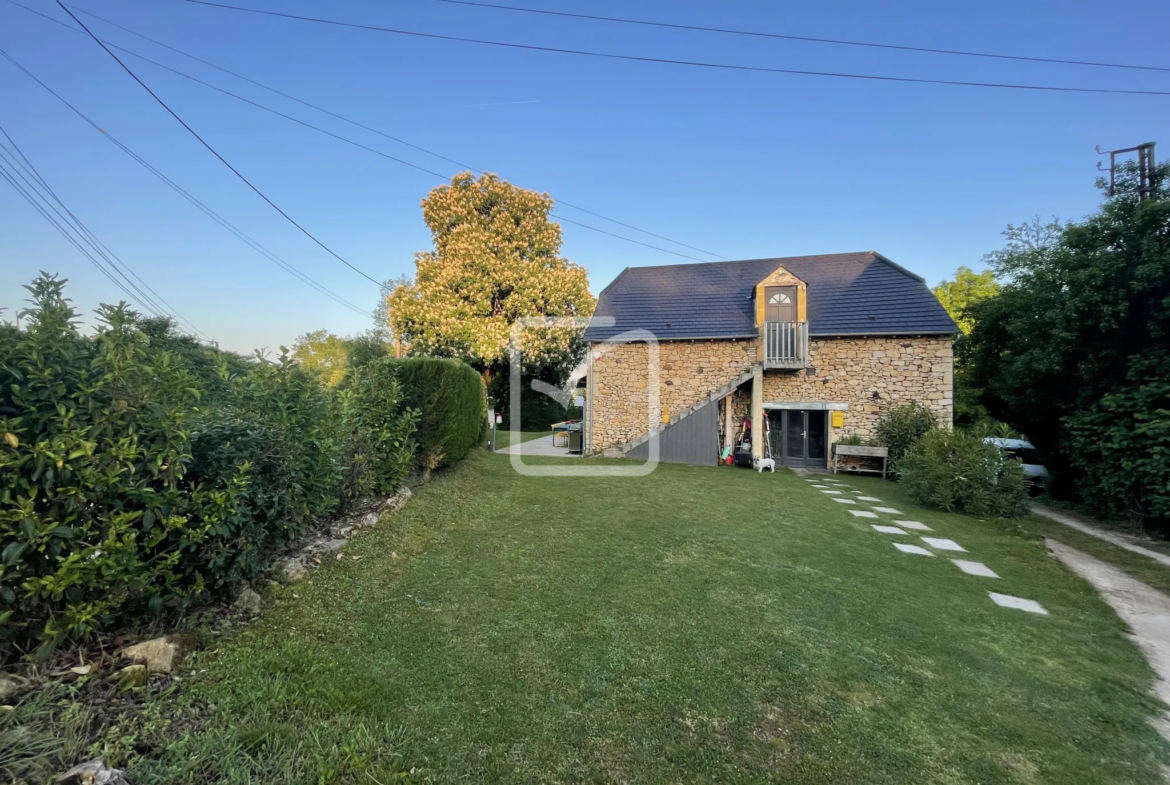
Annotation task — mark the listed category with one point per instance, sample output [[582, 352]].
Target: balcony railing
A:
[[785, 344]]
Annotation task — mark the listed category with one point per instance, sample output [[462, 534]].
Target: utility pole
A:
[[1145, 153]]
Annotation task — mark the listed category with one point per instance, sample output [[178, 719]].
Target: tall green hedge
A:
[[449, 396], [126, 489]]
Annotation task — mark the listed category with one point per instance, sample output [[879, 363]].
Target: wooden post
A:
[[758, 414]]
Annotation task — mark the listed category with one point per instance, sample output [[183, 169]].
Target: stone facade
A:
[[689, 371], [867, 375], [870, 375]]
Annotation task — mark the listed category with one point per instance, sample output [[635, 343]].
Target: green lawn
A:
[[697, 625], [504, 437]]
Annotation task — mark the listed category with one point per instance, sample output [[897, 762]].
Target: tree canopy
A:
[[1075, 350], [496, 260], [968, 288], [322, 353]]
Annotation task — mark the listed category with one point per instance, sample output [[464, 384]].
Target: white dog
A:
[[765, 463]]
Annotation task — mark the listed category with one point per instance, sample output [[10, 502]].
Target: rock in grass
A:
[[161, 654], [94, 772], [131, 677], [248, 602], [12, 685], [397, 501], [291, 570]]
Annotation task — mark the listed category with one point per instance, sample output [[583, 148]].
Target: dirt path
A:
[[1113, 538], [1145, 610]]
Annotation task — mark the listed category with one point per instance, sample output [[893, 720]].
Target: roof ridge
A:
[[875, 254], [898, 267]]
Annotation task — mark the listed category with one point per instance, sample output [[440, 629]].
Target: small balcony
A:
[[786, 345]]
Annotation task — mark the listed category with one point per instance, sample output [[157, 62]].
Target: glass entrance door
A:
[[804, 436]]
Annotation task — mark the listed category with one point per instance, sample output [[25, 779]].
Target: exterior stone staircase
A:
[[712, 397]]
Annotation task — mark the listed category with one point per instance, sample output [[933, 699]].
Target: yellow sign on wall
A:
[[837, 419]]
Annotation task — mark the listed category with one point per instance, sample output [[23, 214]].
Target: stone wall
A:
[[870, 375], [689, 371]]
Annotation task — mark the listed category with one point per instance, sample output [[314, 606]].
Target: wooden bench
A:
[[857, 451]]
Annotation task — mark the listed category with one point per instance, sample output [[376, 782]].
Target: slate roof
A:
[[848, 294]]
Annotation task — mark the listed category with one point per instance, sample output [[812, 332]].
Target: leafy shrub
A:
[[449, 395], [1121, 444], [902, 427], [280, 423], [381, 429], [957, 472], [126, 489], [96, 516]]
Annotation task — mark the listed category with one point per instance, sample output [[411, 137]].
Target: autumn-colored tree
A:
[[496, 260]]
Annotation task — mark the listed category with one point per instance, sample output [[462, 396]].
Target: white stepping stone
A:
[[1008, 601], [905, 548], [974, 568], [888, 529], [890, 510], [830, 491], [868, 499], [843, 500], [822, 487], [863, 513], [922, 527], [943, 545]]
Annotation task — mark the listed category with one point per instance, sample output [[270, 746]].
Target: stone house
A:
[[800, 350]]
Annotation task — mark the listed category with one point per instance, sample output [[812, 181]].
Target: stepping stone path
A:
[[906, 548], [943, 545], [888, 529], [1008, 601], [974, 568]]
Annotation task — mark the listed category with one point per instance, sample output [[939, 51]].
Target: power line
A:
[[288, 267], [757, 34], [375, 151], [112, 259], [42, 206], [364, 127], [690, 63], [74, 230], [212, 150]]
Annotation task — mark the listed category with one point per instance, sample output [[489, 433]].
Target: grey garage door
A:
[[693, 439]]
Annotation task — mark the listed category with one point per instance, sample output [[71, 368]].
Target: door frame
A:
[[804, 461]]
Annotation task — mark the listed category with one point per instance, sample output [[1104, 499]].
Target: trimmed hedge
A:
[[127, 489], [449, 395]]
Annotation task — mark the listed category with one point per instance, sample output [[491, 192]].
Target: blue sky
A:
[[745, 165]]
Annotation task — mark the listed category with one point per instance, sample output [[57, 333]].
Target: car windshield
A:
[[1025, 455]]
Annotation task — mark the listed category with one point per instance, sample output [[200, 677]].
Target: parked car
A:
[[1024, 452]]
